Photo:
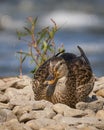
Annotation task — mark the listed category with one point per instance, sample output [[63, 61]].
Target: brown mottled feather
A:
[[74, 83]]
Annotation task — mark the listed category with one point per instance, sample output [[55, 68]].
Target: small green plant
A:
[[41, 45]]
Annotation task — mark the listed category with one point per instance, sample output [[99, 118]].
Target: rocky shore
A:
[[19, 110]]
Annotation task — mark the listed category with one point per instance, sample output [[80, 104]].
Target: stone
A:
[[67, 111], [99, 126], [58, 117], [99, 84], [12, 125], [9, 79], [20, 110], [5, 106], [60, 108], [95, 105], [2, 83], [82, 105], [26, 117], [100, 93], [90, 113], [8, 82], [9, 114], [86, 127], [41, 105], [3, 116], [92, 121], [57, 127], [3, 98], [21, 96], [100, 114], [47, 113], [40, 123], [15, 82], [22, 82]]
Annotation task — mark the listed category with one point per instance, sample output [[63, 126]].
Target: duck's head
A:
[[57, 69]]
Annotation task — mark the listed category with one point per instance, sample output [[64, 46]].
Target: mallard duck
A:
[[64, 78]]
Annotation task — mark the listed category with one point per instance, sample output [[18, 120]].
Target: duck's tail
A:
[[83, 55]]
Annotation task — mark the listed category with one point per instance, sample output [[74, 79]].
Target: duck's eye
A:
[[61, 63]]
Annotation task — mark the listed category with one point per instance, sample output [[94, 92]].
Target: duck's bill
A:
[[51, 80]]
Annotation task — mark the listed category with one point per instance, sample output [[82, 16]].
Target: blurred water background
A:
[[81, 22]]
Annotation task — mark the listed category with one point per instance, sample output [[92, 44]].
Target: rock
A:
[[99, 126], [15, 82], [3, 116], [8, 82], [99, 84], [47, 113], [67, 111], [3, 98], [60, 108], [9, 115], [20, 110], [82, 106], [100, 114], [12, 125], [2, 83], [41, 105], [9, 79], [26, 117], [58, 117], [22, 82], [21, 96], [90, 113], [40, 123], [57, 127], [92, 121], [83, 127], [100, 93], [95, 105], [5, 106]]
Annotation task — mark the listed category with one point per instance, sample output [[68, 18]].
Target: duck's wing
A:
[[42, 72], [81, 69], [83, 75]]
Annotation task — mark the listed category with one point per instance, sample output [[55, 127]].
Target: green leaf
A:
[[28, 30], [51, 34], [35, 20], [34, 70], [45, 46], [42, 35], [24, 53], [55, 29], [21, 34], [23, 59]]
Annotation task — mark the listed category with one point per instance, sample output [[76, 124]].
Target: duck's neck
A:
[[61, 84]]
